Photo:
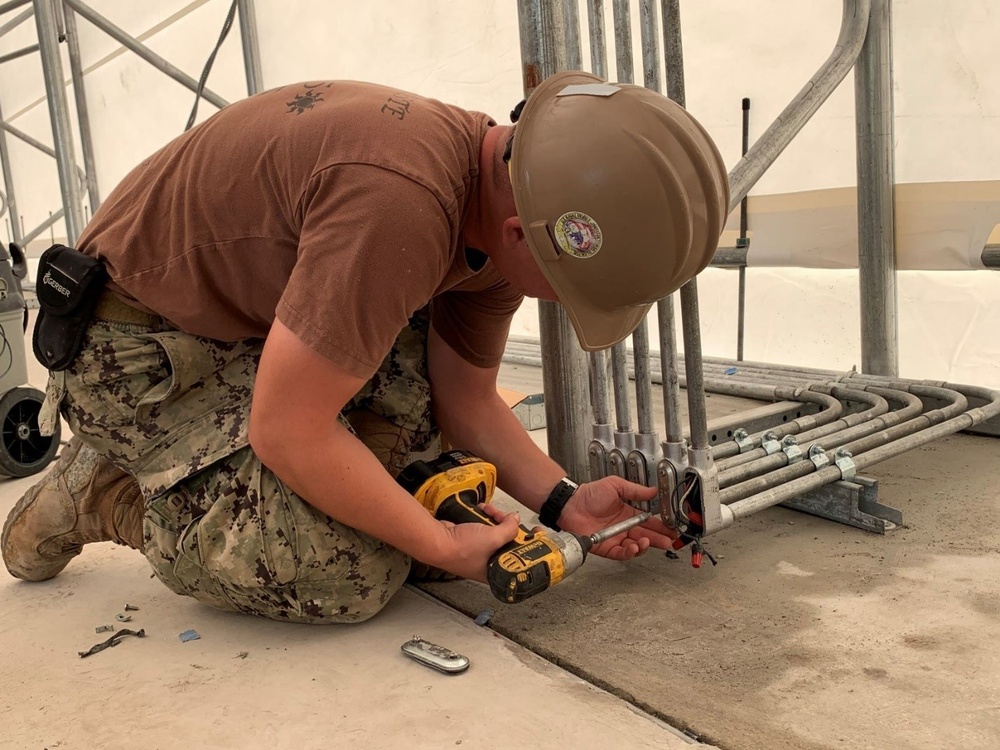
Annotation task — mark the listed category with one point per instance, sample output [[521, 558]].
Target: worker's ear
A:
[[512, 235]]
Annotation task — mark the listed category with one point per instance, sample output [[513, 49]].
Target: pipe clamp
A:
[[742, 439], [818, 456], [791, 448], [846, 465], [770, 443]]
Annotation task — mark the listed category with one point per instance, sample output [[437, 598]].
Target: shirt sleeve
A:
[[372, 250], [474, 318]]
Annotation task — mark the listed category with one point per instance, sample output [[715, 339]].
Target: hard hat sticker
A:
[[589, 89], [578, 234]]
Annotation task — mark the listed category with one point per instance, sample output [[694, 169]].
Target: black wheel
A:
[[23, 449]]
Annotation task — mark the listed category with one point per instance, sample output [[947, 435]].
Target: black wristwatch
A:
[[552, 508]]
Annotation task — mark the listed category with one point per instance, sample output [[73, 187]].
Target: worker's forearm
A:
[[489, 428], [338, 475]]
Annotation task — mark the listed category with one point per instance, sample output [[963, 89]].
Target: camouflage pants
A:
[[173, 409]]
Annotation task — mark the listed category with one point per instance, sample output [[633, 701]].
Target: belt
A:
[[112, 309]]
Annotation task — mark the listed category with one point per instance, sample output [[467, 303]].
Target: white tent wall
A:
[[947, 97]]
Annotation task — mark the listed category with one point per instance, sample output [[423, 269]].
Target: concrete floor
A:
[[249, 683], [808, 635]]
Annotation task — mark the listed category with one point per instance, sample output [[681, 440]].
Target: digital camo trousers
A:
[[173, 410]]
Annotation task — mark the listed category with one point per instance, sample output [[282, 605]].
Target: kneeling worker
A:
[[292, 297]]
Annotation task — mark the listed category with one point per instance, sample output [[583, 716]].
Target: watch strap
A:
[[553, 506]]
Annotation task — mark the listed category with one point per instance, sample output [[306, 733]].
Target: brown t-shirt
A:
[[336, 206]]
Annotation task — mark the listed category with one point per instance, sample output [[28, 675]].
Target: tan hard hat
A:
[[622, 196]]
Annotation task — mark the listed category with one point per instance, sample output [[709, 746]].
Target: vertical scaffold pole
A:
[[62, 134], [251, 47], [876, 181], [82, 111], [549, 44]]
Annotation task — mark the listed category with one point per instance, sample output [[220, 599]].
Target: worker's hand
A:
[[471, 545], [597, 505]]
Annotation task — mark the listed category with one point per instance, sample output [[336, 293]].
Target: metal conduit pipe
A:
[[911, 406], [801, 427], [853, 29], [786, 474], [619, 382], [524, 351], [930, 418], [643, 381], [599, 388], [782, 377], [673, 431], [624, 438], [829, 474], [666, 315], [768, 378], [766, 366], [752, 390], [819, 427], [831, 439], [647, 440], [832, 407], [739, 370]]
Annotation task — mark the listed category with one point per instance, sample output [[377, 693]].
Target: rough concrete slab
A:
[[808, 635], [251, 683]]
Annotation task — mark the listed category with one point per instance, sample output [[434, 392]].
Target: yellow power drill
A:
[[454, 484]]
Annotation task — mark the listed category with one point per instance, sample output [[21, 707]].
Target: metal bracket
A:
[[818, 456], [742, 438], [854, 503], [845, 463], [770, 443], [666, 482], [790, 445], [616, 462], [597, 455], [635, 468]]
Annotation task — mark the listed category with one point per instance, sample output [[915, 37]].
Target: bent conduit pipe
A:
[[853, 29], [957, 405], [739, 473], [766, 392], [877, 406], [829, 474]]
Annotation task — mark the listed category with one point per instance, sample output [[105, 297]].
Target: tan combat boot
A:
[[82, 499]]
